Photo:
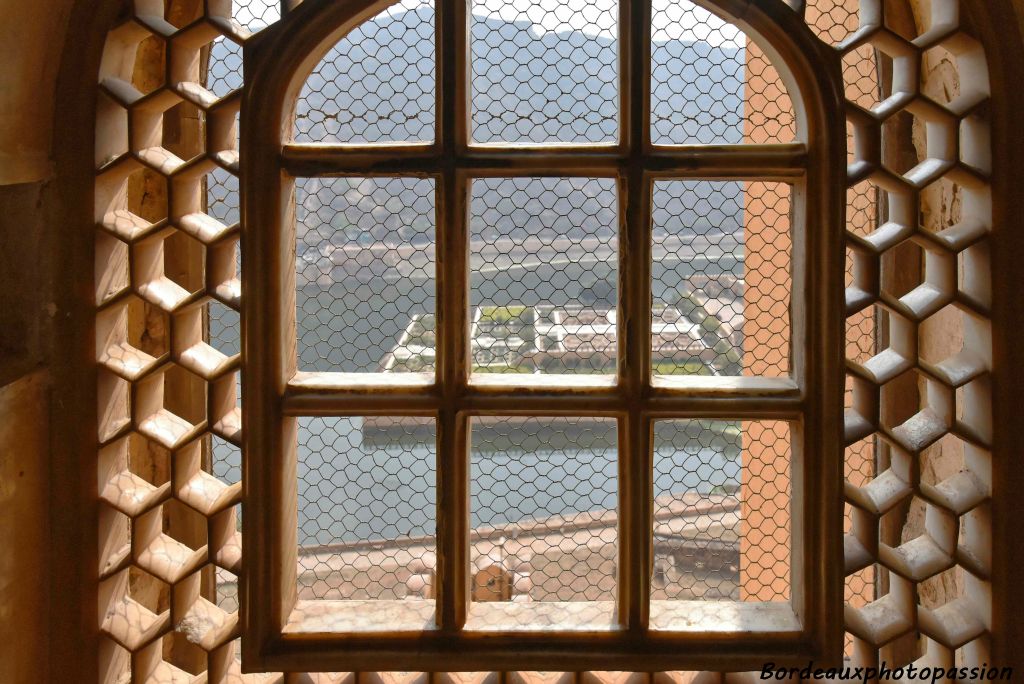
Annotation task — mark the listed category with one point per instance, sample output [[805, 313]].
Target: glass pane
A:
[[721, 510], [377, 84], [367, 505], [544, 71], [711, 84], [544, 278], [721, 278], [365, 274], [544, 493]]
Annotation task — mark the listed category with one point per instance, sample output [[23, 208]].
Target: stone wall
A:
[[942, 335]]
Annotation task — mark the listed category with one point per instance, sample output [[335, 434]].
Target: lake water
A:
[[356, 485], [351, 488]]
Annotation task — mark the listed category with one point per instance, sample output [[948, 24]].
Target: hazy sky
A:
[[673, 19]]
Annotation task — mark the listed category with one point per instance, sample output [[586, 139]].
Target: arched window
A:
[[543, 334], [488, 195]]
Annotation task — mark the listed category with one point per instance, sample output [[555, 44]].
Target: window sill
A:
[[361, 617]]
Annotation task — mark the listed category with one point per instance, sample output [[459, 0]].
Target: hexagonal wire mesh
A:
[[544, 71], [833, 20], [543, 496], [255, 15], [224, 76], [711, 84], [365, 261], [543, 255], [721, 488], [720, 278], [367, 508], [377, 84]]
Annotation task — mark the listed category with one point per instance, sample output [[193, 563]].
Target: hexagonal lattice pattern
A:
[[366, 507], [153, 348], [720, 278], [710, 84], [377, 84], [543, 259], [167, 254], [364, 272], [224, 76], [544, 71], [543, 495], [916, 457]]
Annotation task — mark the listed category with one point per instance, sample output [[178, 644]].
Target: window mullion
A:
[[288, 5], [452, 283], [634, 318]]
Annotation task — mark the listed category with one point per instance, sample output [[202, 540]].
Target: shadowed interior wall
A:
[[24, 441]]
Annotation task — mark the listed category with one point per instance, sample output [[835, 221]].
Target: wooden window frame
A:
[[276, 63]]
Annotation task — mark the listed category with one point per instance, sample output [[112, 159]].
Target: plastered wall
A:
[[23, 528], [30, 36]]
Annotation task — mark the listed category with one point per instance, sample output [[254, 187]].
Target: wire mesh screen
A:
[[224, 76], [710, 84], [543, 257], [366, 508], [543, 504], [833, 20], [720, 278], [365, 261], [224, 330], [721, 513], [226, 463], [765, 499], [861, 209], [544, 71], [255, 15], [377, 84], [860, 75]]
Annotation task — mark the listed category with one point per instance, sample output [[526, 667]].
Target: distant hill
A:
[[377, 85], [529, 85]]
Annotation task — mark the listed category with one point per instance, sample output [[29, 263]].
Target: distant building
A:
[[572, 339]]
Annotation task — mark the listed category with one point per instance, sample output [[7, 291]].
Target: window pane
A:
[[544, 71], [544, 493], [366, 508], [543, 258], [721, 511], [377, 84], [365, 274], [721, 278], [710, 84]]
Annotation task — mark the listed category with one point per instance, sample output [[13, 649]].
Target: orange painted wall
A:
[[765, 490]]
